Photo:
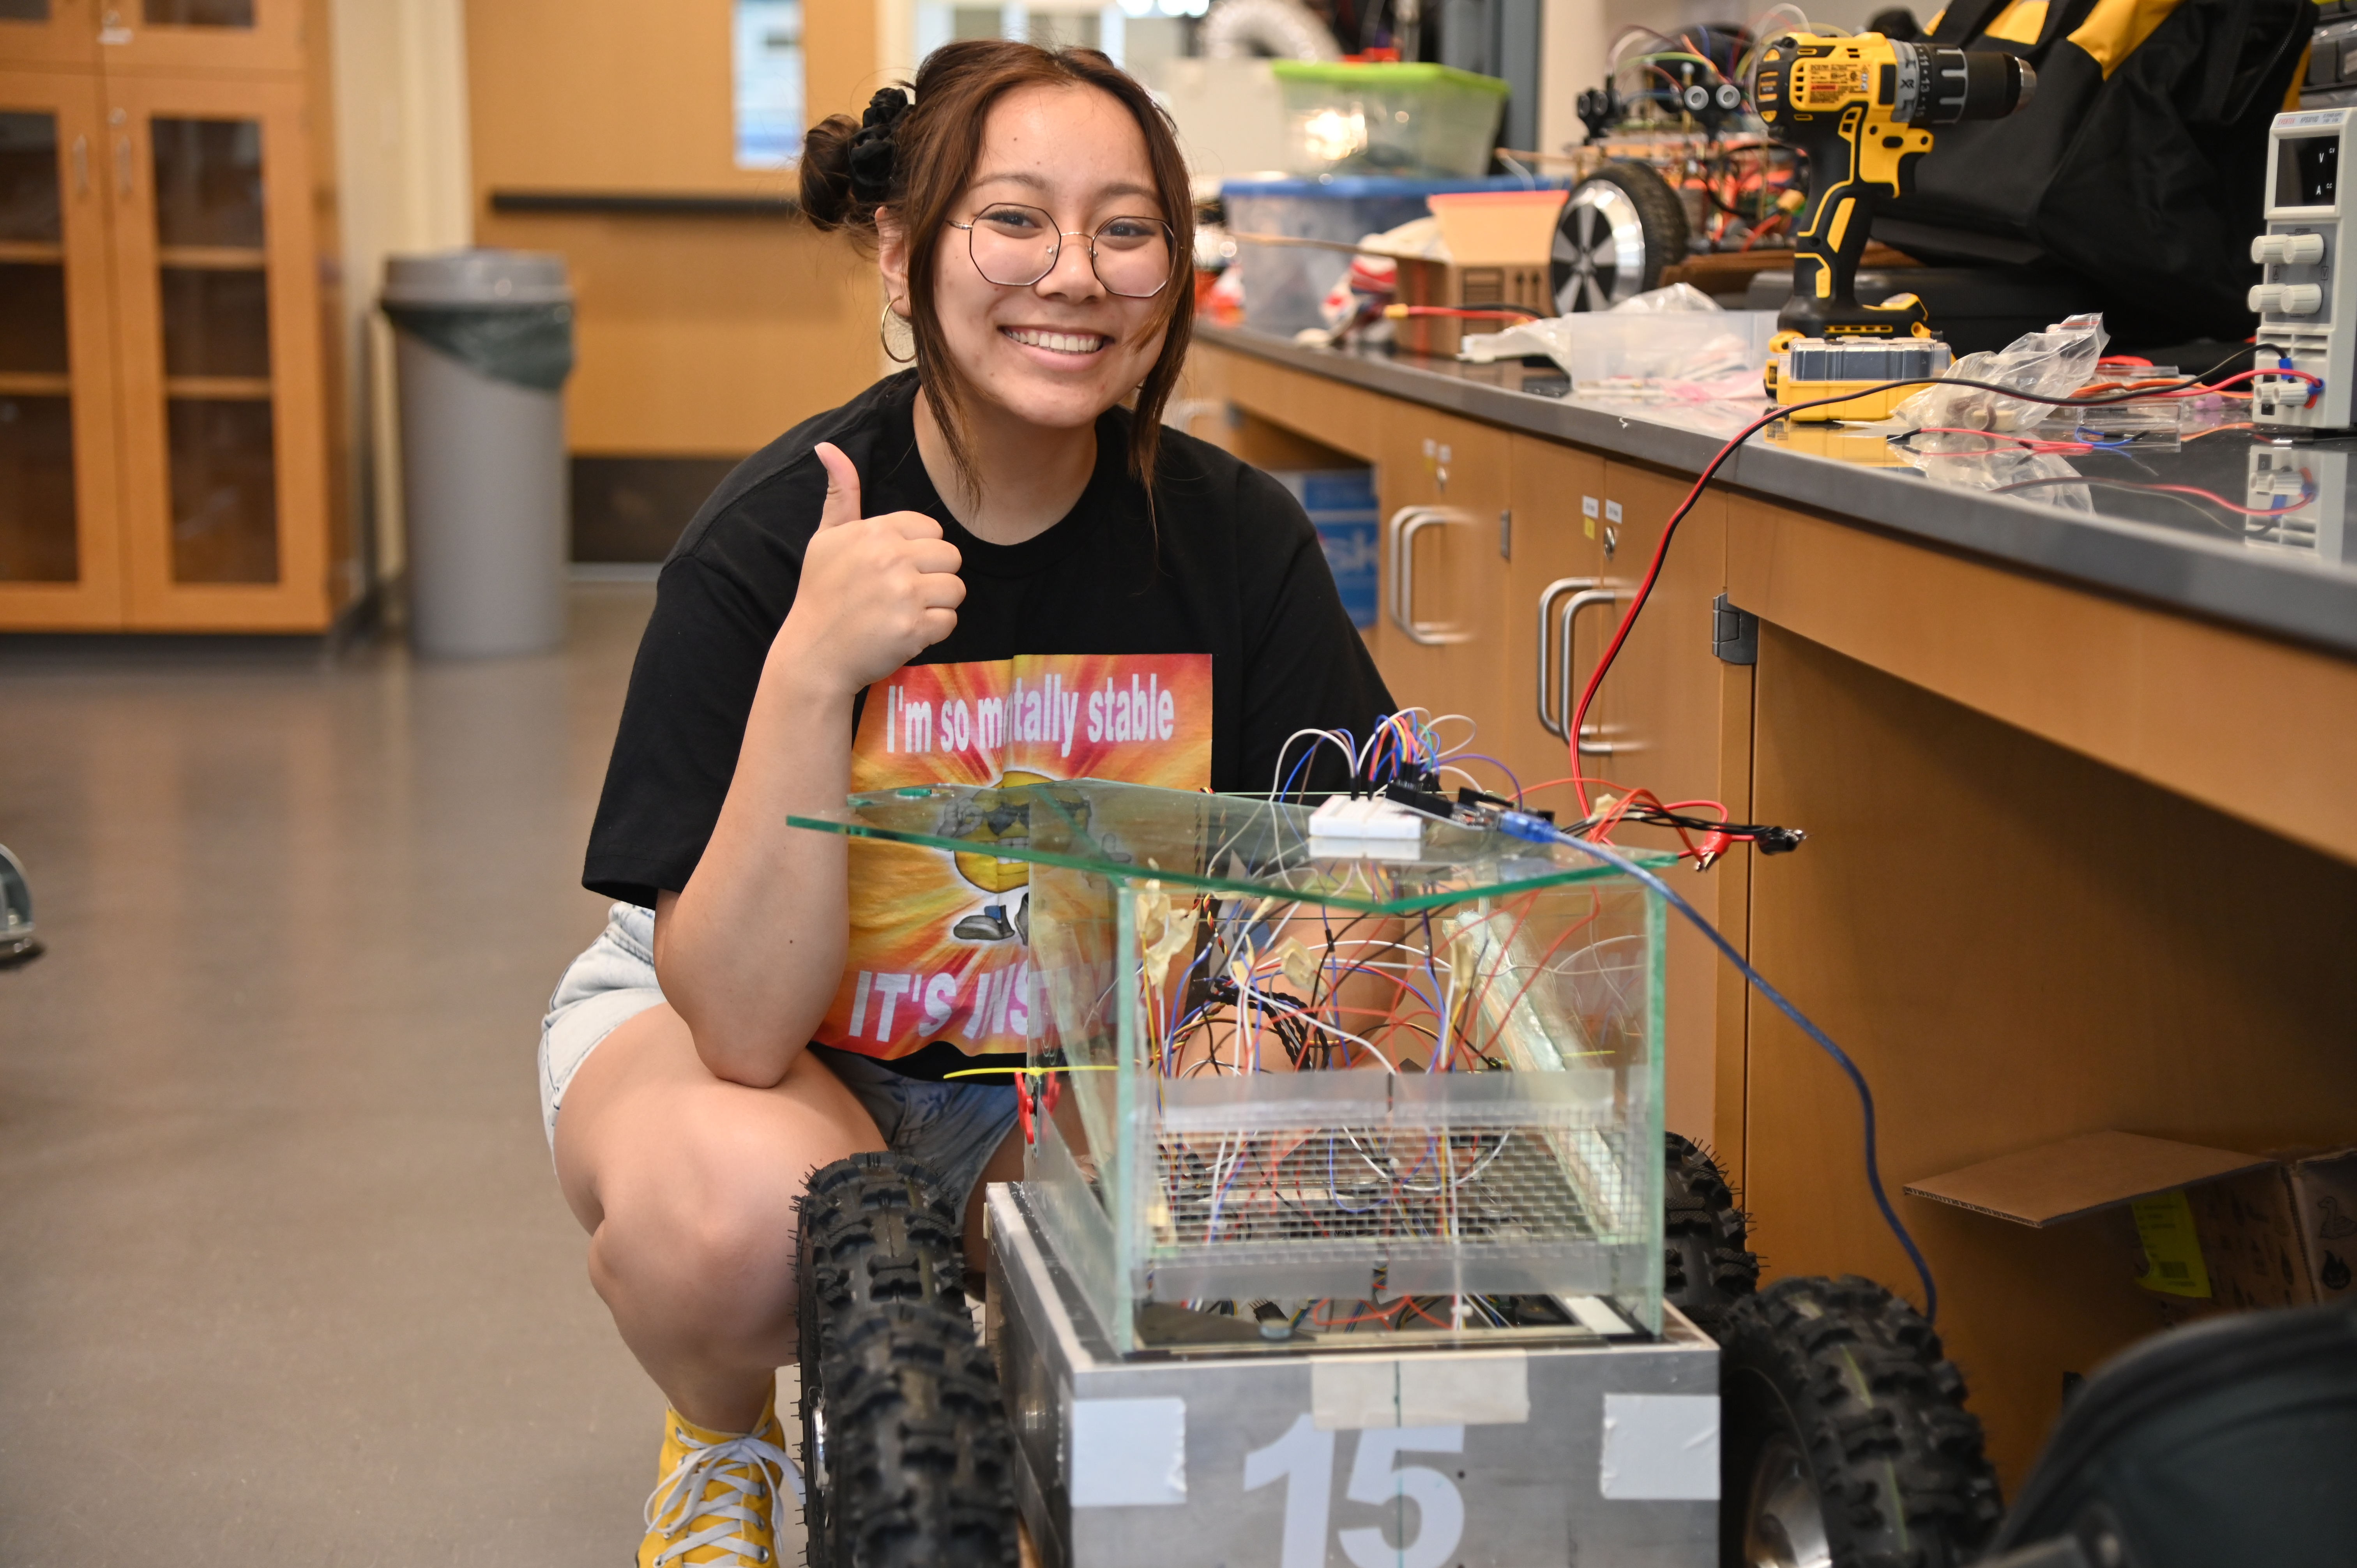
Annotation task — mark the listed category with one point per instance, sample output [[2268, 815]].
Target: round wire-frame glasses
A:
[[1015, 246]]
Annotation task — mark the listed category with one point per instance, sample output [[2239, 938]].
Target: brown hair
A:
[[935, 146]]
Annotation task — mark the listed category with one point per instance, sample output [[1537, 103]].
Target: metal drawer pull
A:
[[1550, 717], [1565, 691], [1406, 523]]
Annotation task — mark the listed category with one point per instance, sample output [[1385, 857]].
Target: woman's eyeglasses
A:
[[1015, 246]]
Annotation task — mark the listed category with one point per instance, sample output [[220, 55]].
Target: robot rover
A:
[[1341, 1238]]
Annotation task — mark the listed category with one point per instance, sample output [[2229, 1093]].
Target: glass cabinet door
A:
[[61, 543], [50, 32], [253, 35], [218, 306]]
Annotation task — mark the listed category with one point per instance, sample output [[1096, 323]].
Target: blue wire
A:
[[1538, 830]]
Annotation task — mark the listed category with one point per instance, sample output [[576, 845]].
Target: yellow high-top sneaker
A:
[[717, 1500]]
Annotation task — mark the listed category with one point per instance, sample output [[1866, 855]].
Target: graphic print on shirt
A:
[[940, 942]]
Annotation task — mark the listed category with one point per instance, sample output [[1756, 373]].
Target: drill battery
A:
[[1803, 369]]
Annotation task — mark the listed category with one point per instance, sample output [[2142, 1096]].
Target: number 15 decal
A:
[[1304, 1459]]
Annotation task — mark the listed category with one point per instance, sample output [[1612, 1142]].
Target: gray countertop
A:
[[2290, 579]]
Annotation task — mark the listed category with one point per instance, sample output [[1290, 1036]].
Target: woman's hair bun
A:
[[849, 168]]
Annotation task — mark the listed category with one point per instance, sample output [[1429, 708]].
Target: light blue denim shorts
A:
[[952, 1129]]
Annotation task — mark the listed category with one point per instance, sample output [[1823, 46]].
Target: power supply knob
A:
[[2303, 250], [2266, 298], [2302, 299], [2267, 249]]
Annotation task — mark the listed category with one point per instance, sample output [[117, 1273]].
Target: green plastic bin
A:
[[1419, 121]]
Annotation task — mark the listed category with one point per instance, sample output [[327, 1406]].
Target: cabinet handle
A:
[[1551, 719], [1406, 523], [122, 167], [80, 155], [1585, 599]]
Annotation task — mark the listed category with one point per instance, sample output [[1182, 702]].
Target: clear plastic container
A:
[[1283, 284], [1281, 1077], [1612, 347], [1415, 121]]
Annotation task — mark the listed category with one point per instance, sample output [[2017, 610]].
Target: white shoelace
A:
[[680, 1497]]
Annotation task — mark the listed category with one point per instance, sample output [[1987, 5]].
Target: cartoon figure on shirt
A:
[[999, 878]]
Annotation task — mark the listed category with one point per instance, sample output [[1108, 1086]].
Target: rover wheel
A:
[[922, 1457], [1846, 1440], [875, 1231], [1620, 227], [1706, 1267]]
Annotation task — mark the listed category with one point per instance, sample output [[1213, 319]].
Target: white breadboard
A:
[[1365, 827]]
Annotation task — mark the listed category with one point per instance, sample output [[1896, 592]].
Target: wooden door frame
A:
[[301, 599], [95, 600]]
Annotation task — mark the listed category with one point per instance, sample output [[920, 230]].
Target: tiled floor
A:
[[285, 1277]]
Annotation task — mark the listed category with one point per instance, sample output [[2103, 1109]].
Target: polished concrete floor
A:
[[285, 1277]]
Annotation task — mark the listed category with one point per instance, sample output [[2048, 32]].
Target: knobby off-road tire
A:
[[904, 1443], [924, 1466], [1706, 1267], [1846, 1439]]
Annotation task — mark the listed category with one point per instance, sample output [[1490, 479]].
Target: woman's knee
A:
[[706, 1224]]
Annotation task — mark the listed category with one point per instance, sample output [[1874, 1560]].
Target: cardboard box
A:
[[1501, 245], [2216, 1230]]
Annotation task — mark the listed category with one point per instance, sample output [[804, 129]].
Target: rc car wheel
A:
[[1846, 1444], [1706, 1268], [880, 1254], [1620, 227]]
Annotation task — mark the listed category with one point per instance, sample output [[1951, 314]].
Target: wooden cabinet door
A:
[[49, 32], [1555, 596], [201, 35], [226, 501], [1676, 720], [60, 542], [1443, 485]]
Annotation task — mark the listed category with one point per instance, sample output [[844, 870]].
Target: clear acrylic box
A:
[[1286, 1093]]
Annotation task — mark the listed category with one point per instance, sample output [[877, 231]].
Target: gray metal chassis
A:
[[1579, 1453]]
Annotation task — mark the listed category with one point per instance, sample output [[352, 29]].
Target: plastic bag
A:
[[1989, 470], [523, 344], [1419, 239], [1677, 299], [2052, 363]]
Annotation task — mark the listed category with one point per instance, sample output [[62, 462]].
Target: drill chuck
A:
[[1938, 86]]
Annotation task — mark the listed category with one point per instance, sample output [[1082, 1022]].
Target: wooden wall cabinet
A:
[[166, 375]]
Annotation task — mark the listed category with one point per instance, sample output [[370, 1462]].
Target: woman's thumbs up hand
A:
[[875, 591]]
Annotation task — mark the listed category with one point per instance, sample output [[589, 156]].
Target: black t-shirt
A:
[[1227, 565]]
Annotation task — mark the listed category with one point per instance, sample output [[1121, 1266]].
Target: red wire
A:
[[2212, 497]]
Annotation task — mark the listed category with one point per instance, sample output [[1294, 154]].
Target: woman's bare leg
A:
[[686, 1185]]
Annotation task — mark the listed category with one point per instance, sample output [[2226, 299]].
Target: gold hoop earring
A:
[[906, 337]]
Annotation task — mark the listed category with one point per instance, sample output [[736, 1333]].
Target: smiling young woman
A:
[[997, 566]]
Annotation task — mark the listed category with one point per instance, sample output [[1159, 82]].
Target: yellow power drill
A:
[[1858, 107]]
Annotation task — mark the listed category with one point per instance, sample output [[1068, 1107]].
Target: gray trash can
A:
[[483, 343]]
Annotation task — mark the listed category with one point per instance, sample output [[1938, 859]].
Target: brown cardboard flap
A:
[[2056, 1182]]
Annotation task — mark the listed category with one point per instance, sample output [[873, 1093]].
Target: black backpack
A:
[[2146, 183]]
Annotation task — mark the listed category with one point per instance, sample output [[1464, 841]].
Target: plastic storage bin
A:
[[1283, 284], [1271, 1068], [1401, 120]]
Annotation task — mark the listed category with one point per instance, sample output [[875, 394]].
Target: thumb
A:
[[842, 487]]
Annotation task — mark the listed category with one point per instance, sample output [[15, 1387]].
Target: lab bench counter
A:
[[2075, 784]]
